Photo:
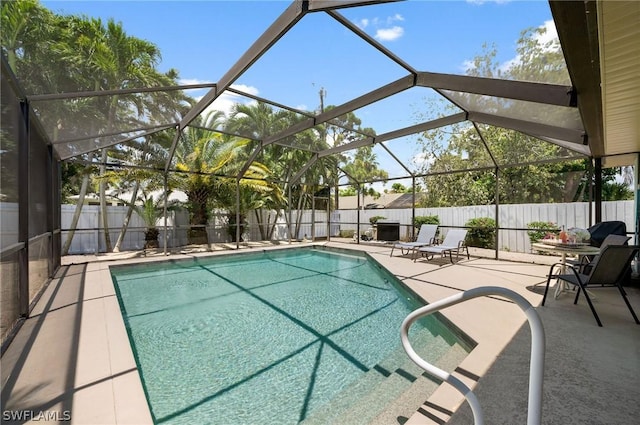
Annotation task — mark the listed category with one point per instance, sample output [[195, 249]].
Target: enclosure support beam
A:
[[23, 208], [290, 216], [418, 128], [589, 190], [598, 189], [550, 94], [535, 129], [497, 202], [413, 207], [238, 213], [278, 28], [166, 200], [358, 215]]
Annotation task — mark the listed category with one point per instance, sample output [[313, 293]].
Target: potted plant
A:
[[150, 211]]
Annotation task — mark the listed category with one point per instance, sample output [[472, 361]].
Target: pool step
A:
[[418, 393], [392, 388]]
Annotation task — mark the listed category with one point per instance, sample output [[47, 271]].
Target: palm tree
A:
[[115, 60], [150, 211], [201, 156]]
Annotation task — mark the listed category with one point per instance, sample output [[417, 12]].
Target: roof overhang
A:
[[601, 44]]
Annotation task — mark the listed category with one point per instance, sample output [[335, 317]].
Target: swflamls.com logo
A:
[[36, 415]]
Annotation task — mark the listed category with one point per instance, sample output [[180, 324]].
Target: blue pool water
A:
[[276, 337]]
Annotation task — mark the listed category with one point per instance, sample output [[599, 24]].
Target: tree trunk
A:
[[103, 202], [127, 218], [272, 226], [76, 213], [261, 226], [299, 213], [199, 216]]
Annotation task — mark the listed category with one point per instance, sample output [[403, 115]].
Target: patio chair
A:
[[600, 231], [453, 242], [584, 262], [426, 236], [608, 270]]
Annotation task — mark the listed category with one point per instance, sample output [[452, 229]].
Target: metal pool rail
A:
[[536, 369]]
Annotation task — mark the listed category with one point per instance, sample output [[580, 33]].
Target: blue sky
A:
[[203, 39]]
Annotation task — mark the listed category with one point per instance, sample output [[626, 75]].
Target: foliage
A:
[[464, 148], [540, 229], [349, 191], [347, 233], [376, 218], [364, 167], [419, 220], [482, 232], [399, 188], [150, 210], [616, 191]]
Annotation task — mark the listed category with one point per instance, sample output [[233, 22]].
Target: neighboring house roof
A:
[[386, 200], [405, 200]]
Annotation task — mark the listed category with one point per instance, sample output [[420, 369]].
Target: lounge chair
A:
[[426, 236], [607, 270], [453, 242]]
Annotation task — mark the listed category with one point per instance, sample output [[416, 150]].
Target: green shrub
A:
[[482, 232], [540, 229], [425, 219], [375, 218], [348, 233]]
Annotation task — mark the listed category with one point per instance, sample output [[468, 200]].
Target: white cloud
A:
[[190, 81], [545, 40], [389, 34], [385, 30], [550, 33], [422, 159], [395, 18], [468, 65], [246, 89], [226, 101]]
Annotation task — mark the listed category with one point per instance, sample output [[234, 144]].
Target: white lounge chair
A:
[[426, 236], [453, 242]]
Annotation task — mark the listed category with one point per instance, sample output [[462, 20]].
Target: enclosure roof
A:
[[577, 116]]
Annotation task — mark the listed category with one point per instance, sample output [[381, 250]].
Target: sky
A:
[[203, 40]]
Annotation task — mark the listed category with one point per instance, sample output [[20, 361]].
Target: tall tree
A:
[[461, 148]]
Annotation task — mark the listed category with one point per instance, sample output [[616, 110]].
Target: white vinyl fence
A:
[[511, 217], [89, 239]]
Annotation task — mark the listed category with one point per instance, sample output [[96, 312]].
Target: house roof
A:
[[386, 200]]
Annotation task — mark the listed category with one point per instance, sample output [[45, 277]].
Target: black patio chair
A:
[[607, 270], [585, 262], [600, 231]]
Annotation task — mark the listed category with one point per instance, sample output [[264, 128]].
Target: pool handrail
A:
[[536, 368]]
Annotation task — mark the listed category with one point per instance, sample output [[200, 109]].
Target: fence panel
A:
[[88, 239], [516, 216]]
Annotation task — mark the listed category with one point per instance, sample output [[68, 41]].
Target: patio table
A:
[[564, 250]]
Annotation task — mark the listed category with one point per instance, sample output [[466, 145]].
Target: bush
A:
[[373, 220], [482, 232], [425, 219], [540, 229], [348, 233]]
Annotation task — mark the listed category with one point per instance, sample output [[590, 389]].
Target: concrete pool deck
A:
[[72, 356]]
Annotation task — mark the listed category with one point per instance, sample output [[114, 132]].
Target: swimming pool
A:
[[276, 337]]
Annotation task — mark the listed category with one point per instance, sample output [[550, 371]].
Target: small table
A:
[[563, 250]]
